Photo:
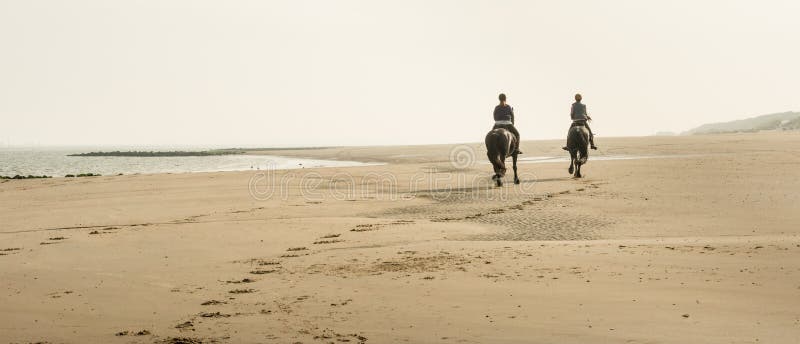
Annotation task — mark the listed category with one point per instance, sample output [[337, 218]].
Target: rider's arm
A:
[[587, 113], [512, 116]]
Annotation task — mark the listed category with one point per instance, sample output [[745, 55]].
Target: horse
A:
[[578, 146], [500, 145]]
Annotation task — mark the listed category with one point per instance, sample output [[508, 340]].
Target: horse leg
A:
[[584, 156], [571, 162], [495, 166], [491, 160], [578, 163], [514, 160], [498, 180]]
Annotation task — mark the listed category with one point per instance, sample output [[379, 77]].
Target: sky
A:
[[312, 73]]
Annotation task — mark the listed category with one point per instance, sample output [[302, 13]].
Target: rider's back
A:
[[504, 113], [578, 112]]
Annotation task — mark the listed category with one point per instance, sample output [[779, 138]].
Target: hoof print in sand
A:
[[343, 303], [242, 291], [329, 334], [181, 340], [321, 242], [7, 251], [57, 294], [214, 315], [137, 333], [366, 228], [185, 326], [103, 230], [294, 249], [244, 280], [53, 240], [213, 302], [377, 226], [263, 272]]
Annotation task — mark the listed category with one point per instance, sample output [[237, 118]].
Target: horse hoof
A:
[[571, 170], [516, 181], [499, 183]]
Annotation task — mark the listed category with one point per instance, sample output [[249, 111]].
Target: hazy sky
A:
[[384, 72]]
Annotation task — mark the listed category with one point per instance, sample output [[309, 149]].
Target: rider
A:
[[580, 118], [504, 118]]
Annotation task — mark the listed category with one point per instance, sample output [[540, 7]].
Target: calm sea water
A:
[[56, 163]]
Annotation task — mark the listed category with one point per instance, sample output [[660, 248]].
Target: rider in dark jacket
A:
[[504, 118], [581, 117]]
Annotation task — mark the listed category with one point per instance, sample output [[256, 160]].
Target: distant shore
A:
[[163, 154], [62, 163]]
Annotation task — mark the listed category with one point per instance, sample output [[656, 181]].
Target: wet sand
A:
[[698, 243]]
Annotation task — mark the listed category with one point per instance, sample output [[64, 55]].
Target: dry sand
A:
[[698, 244]]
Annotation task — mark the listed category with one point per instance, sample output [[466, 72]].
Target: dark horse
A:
[[500, 144], [578, 146]]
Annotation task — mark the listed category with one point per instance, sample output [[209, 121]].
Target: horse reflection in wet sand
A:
[[578, 147], [500, 145]]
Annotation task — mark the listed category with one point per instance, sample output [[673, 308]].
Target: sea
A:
[[56, 162]]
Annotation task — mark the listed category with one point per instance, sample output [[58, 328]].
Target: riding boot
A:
[[591, 142]]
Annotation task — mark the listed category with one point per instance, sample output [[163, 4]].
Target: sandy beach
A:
[[685, 239]]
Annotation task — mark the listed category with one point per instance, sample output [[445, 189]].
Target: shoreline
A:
[[106, 165]]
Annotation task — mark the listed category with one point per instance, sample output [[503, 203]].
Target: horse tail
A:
[[496, 152]]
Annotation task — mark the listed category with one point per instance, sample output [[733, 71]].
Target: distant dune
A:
[[777, 121]]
